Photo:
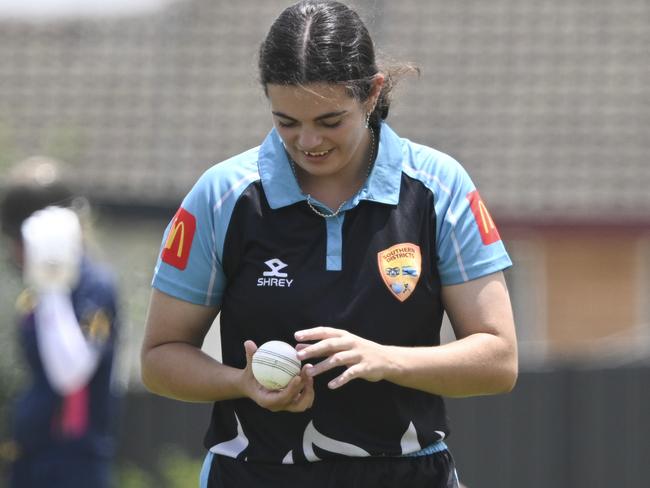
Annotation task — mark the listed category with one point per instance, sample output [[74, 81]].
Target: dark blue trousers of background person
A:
[[61, 470]]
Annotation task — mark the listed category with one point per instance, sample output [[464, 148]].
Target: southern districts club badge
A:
[[400, 266]]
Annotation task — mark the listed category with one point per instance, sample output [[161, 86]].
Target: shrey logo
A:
[[486, 227], [400, 266], [274, 277], [275, 265], [179, 240]]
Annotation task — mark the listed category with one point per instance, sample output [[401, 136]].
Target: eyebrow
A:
[[320, 117]]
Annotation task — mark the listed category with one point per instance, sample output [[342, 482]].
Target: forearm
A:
[[68, 360], [184, 372], [480, 364]]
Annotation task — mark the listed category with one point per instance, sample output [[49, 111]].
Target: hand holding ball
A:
[[275, 363]]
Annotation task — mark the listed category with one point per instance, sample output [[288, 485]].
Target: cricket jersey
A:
[[246, 240], [61, 437]]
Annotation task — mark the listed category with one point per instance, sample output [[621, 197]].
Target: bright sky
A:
[[65, 9]]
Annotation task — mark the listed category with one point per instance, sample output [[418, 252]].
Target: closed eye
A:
[[331, 125], [329, 120], [286, 124]]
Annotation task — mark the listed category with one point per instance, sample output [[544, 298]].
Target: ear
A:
[[375, 90]]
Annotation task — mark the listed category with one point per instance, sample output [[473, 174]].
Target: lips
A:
[[316, 154]]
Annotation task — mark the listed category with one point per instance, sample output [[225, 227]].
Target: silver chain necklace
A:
[[338, 210]]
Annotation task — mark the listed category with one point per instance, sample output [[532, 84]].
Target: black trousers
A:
[[431, 471]]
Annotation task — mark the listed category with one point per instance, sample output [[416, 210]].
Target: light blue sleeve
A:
[[189, 265], [468, 243]]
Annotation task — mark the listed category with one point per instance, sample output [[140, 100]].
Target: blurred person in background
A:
[[350, 242], [67, 318]]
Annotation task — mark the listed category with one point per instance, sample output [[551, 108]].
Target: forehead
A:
[[311, 100]]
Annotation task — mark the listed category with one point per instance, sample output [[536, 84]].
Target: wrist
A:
[[393, 367], [240, 383]]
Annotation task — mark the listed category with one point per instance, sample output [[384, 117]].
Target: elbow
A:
[[509, 380], [498, 382], [147, 371], [508, 375], [508, 370], [154, 371], [145, 379], [501, 375]]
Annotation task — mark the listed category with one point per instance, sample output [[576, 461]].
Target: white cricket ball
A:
[[274, 364]]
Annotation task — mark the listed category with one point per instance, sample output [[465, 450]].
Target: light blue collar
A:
[[281, 187]]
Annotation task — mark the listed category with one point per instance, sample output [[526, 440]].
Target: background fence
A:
[[567, 427]]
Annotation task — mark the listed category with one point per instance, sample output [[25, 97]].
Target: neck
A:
[[332, 190]]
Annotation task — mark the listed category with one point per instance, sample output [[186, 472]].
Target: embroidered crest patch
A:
[[400, 266], [99, 327]]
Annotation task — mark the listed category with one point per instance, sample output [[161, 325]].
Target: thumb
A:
[[250, 348]]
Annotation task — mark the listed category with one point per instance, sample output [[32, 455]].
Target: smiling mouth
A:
[[316, 154]]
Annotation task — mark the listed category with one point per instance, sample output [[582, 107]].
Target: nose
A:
[[309, 139]]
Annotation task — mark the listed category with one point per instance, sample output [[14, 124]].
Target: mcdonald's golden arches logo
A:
[[179, 240], [486, 227]]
